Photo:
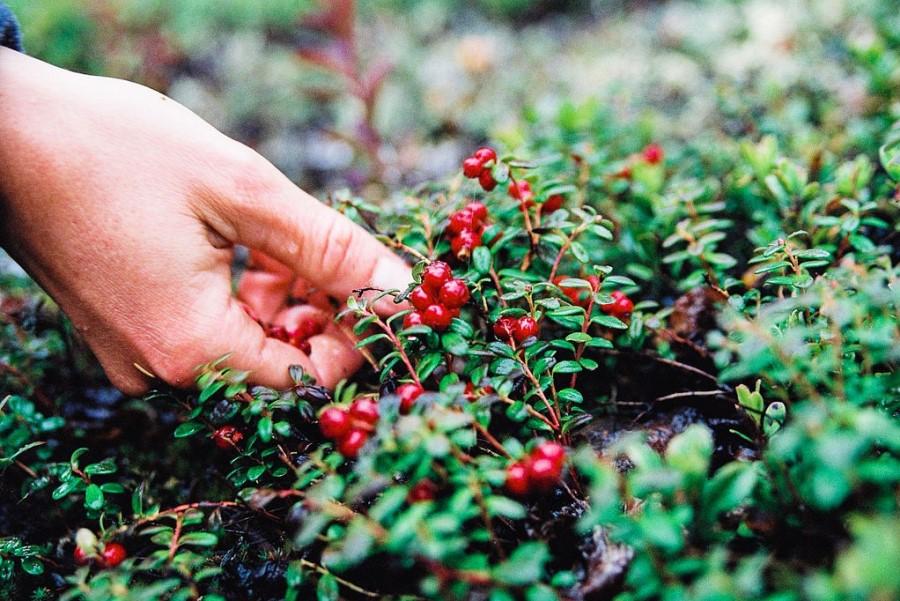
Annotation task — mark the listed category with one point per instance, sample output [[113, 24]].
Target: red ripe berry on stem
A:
[[227, 437], [517, 479], [485, 154], [487, 181], [525, 327], [465, 242], [408, 394], [504, 328], [350, 444], [543, 474], [365, 410], [454, 293], [434, 275], [553, 203], [278, 333], [553, 451], [478, 210], [621, 306], [412, 319], [113, 554], [80, 557], [472, 167], [521, 191], [423, 490], [420, 298], [461, 221], [437, 317], [652, 153], [334, 422]]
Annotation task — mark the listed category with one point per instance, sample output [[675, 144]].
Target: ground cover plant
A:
[[634, 367]]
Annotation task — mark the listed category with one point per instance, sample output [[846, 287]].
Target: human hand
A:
[[125, 207]]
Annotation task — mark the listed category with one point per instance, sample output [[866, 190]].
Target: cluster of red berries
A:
[[540, 471], [227, 437], [349, 428], [478, 166], [298, 337], [112, 555], [621, 306], [438, 299], [519, 329], [466, 228]]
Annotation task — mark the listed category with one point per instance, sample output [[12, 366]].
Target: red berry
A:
[[227, 437], [334, 422], [408, 394], [522, 191], [80, 557], [437, 317], [465, 242], [524, 328], [365, 410], [517, 479], [420, 298], [621, 305], [278, 333], [471, 167], [424, 490], [412, 319], [461, 220], [485, 154], [352, 442], [553, 203], [504, 328], [543, 474], [652, 153], [478, 210], [487, 181], [469, 392], [113, 554], [309, 328], [454, 294], [434, 275], [304, 346], [553, 451]]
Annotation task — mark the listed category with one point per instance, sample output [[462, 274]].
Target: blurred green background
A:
[[407, 87]]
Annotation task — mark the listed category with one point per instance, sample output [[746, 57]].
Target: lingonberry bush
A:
[[629, 369]]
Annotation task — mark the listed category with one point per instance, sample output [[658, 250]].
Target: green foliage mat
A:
[[733, 434]]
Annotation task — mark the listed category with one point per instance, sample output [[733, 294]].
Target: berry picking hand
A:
[[125, 207]]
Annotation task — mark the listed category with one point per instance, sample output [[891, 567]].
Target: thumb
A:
[[269, 213]]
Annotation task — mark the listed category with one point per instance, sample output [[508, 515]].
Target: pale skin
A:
[[126, 207]]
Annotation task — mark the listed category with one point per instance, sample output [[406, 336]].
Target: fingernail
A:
[[391, 273]]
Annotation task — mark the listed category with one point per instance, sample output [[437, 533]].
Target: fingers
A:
[[332, 352], [267, 359], [265, 211]]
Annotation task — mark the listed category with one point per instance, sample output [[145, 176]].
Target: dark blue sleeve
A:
[[10, 36]]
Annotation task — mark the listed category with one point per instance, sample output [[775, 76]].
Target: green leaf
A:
[[93, 497], [455, 344], [608, 321], [33, 566], [505, 507], [482, 259], [567, 367], [327, 588], [199, 539], [264, 429], [728, 488], [188, 429], [255, 472], [525, 565]]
